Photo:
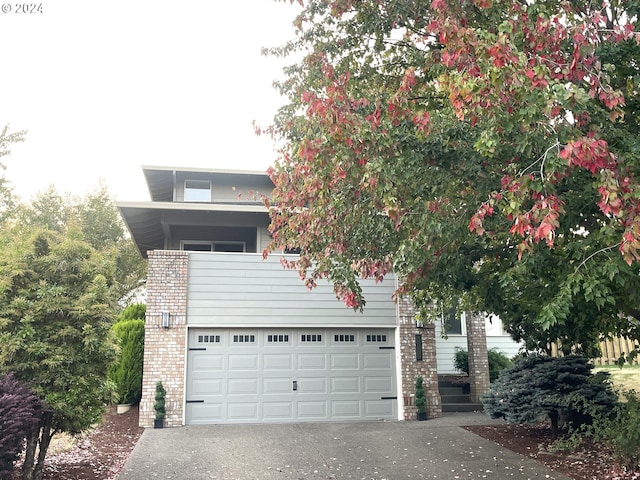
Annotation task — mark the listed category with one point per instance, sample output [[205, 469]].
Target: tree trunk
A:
[[30, 453], [45, 440]]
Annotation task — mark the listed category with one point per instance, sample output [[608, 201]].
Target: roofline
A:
[[166, 168], [196, 207]]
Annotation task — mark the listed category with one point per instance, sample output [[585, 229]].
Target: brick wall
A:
[[478, 359], [164, 352], [412, 368]]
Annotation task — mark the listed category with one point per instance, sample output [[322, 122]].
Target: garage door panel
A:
[[206, 362], [345, 409], [245, 411], [243, 362], [207, 386], [276, 362], [378, 408], [344, 361], [378, 385], [201, 413], [272, 375], [374, 361], [316, 410], [312, 361], [277, 411], [273, 386], [311, 385], [345, 384], [242, 386]]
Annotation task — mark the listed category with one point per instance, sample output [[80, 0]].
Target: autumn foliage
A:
[[448, 141]]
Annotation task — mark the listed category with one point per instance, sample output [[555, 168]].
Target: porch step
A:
[[455, 397], [462, 407]]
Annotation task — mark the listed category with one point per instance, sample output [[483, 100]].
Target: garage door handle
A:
[[295, 385]]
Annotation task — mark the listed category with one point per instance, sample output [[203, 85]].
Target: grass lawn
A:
[[627, 377]]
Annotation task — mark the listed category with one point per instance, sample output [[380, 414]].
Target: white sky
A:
[[105, 86]]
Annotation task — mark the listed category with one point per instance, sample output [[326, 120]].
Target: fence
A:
[[612, 350]]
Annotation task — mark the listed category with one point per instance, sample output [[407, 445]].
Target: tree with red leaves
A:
[[482, 150]]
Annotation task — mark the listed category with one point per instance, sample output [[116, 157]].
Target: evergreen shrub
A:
[[159, 403], [498, 361], [126, 372], [560, 389]]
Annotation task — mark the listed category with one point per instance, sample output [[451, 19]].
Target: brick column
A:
[[478, 357], [164, 348], [412, 368]]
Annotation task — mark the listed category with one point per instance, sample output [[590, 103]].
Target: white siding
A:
[[263, 238], [245, 290], [446, 347]]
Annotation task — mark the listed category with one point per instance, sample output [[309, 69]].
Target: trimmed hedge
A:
[[126, 373]]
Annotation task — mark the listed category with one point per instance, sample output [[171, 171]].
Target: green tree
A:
[[126, 372], [95, 218], [7, 200], [56, 309], [481, 151]]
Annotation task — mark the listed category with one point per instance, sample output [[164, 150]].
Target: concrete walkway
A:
[[435, 449]]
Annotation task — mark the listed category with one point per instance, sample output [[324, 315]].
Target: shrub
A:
[[421, 401], [561, 389], [135, 311], [20, 412], [624, 431], [159, 404], [497, 362], [126, 372]]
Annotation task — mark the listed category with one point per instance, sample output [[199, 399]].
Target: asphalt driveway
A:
[[435, 449]]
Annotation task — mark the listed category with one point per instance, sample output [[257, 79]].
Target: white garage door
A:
[[278, 375]]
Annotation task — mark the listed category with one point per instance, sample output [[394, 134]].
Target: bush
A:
[[159, 403], [135, 311], [20, 412], [126, 373], [421, 401], [561, 389], [624, 431], [497, 362]]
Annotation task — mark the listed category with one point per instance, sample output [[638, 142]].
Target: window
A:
[[208, 338], [244, 339], [376, 339], [197, 191], [344, 338], [196, 246], [453, 322], [277, 338], [310, 338], [207, 246]]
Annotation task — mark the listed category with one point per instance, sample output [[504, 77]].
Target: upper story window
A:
[[197, 191]]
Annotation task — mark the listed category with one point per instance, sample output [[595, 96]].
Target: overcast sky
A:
[[104, 87]]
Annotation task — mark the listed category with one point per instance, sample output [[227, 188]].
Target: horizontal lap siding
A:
[[244, 289], [446, 348]]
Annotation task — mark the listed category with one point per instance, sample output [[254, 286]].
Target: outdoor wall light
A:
[[418, 347], [165, 319]]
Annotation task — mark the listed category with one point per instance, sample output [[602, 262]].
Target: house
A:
[[238, 338]]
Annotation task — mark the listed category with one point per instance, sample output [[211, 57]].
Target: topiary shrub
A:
[[159, 402], [20, 411], [497, 362], [126, 372], [421, 401], [561, 389]]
